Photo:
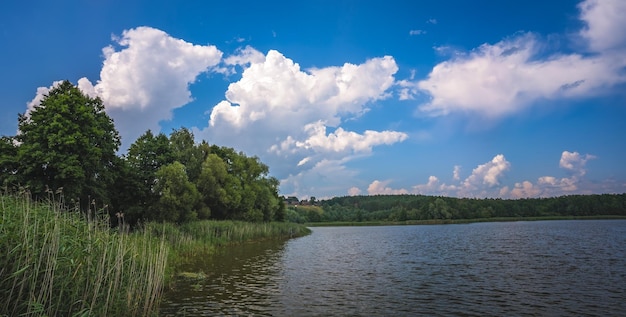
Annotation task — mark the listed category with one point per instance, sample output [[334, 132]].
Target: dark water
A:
[[545, 268]]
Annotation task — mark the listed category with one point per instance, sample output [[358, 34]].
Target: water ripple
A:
[[555, 268]]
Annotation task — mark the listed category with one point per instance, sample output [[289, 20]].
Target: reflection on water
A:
[[238, 280], [551, 268]]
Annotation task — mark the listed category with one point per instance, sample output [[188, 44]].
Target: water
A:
[[544, 268]]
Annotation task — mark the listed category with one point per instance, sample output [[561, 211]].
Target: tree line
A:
[[67, 147], [418, 207]]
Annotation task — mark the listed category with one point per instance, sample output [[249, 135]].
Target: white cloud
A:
[[278, 86], [380, 188], [148, 77], [41, 93], [342, 141], [245, 56], [432, 187], [489, 173], [486, 178], [432, 21], [456, 173], [354, 191], [481, 183], [417, 32], [605, 24], [523, 190], [548, 186], [282, 113], [499, 79], [574, 162]]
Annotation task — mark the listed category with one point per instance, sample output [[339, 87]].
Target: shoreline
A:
[[457, 221]]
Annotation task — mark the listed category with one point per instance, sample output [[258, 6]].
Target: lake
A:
[[534, 268]]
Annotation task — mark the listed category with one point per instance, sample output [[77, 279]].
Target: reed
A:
[[57, 262], [196, 238]]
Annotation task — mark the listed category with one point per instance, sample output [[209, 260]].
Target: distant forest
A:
[[418, 207]]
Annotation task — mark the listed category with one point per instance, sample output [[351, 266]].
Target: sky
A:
[[500, 99]]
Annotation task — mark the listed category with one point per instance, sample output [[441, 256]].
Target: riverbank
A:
[[57, 262], [455, 221]]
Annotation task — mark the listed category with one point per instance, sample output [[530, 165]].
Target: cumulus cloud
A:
[[499, 79], [431, 187], [574, 162], [354, 191], [486, 179], [483, 182], [340, 141], [548, 186], [522, 190], [456, 173], [149, 76], [284, 113], [489, 173], [242, 57], [41, 93], [278, 86], [380, 188]]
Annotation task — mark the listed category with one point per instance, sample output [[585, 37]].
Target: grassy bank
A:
[[454, 221], [58, 263], [202, 237]]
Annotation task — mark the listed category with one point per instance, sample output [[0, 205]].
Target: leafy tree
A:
[[177, 195], [145, 157], [125, 192], [8, 161], [219, 189], [187, 152], [69, 142]]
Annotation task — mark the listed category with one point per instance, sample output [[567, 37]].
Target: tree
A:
[[145, 157], [177, 196], [68, 142], [219, 189], [187, 152], [8, 161]]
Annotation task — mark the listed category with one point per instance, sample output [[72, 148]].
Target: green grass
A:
[[199, 238], [56, 262]]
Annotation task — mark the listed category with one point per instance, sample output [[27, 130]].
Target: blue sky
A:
[[505, 99]]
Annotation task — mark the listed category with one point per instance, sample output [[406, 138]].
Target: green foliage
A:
[[177, 196], [69, 142], [145, 157], [176, 180], [416, 207], [188, 153], [235, 186], [8, 162], [201, 237]]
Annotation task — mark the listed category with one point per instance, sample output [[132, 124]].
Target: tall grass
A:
[[58, 263], [202, 237], [55, 262]]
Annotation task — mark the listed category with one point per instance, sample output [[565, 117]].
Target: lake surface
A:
[[538, 268]]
